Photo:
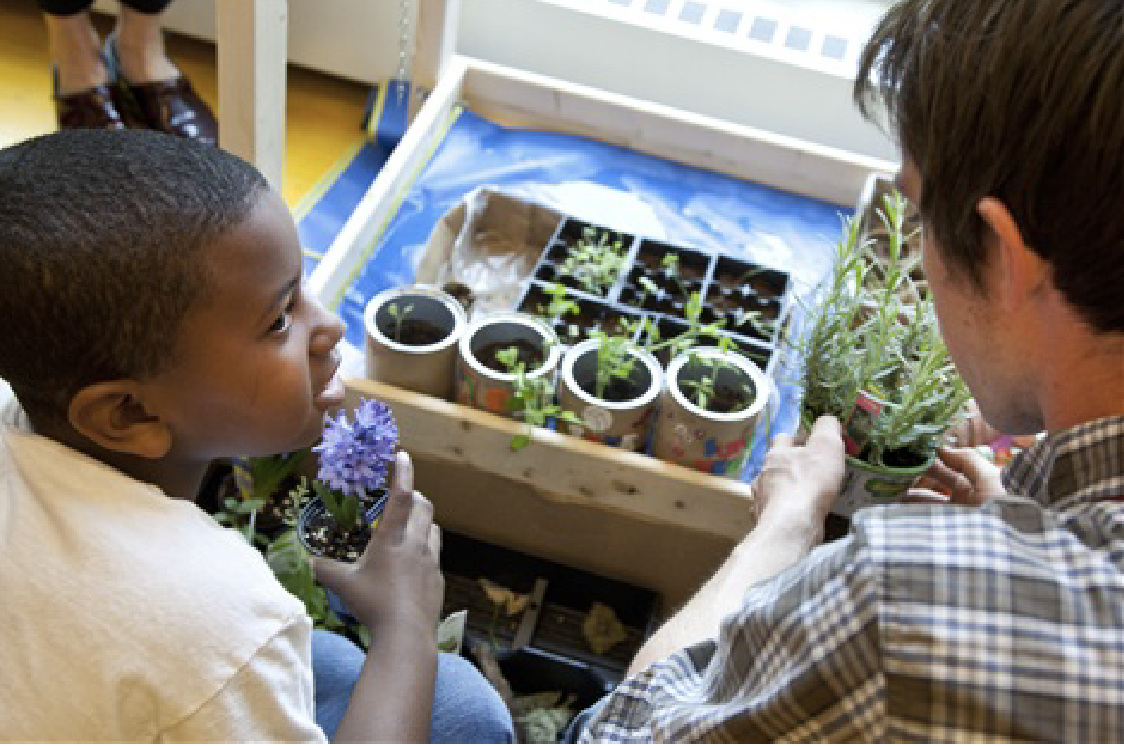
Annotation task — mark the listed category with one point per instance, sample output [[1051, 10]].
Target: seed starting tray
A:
[[749, 298]]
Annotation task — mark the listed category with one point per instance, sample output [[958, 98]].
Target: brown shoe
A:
[[172, 106], [93, 108]]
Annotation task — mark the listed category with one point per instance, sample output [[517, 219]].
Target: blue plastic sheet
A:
[[615, 187]]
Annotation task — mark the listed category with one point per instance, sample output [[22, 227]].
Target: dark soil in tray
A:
[[530, 354], [415, 332]]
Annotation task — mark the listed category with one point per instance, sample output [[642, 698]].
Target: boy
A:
[[155, 321]]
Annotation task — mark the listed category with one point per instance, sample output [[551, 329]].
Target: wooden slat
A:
[[566, 469], [252, 42], [529, 100], [623, 515], [349, 249]]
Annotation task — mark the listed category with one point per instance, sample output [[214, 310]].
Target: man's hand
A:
[[960, 476], [801, 482], [397, 580]]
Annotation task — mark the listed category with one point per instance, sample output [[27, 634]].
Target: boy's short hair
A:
[[100, 249], [1020, 100]]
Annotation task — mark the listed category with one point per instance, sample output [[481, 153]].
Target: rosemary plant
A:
[[866, 341]]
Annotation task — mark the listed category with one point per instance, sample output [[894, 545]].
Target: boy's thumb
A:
[[328, 571]]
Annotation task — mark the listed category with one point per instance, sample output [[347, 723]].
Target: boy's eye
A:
[[282, 322]]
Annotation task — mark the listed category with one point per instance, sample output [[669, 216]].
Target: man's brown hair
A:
[[1022, 100]]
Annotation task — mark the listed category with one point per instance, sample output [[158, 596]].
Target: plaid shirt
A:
[[927, 623]]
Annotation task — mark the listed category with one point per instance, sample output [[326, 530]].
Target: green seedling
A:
[[595, 260], [399, 315], [533, 398]]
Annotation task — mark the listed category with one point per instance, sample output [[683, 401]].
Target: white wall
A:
[[617, 45]]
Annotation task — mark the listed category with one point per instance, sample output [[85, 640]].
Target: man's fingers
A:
[[826, 433], [781, 440], [980, 473], [923, 495]]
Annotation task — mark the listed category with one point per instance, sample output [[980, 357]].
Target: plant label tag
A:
[[857, 429], [596, 419]]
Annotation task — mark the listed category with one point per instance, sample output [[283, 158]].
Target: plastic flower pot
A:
[[624, 417], [481, 380], [866, 484], [714, 442], [313, 519], [418, 354]]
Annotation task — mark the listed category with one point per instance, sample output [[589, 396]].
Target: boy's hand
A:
[[960, 476], [801, 482], [397, 580]]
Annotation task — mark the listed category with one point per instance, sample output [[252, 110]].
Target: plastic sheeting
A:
[[615, 187]]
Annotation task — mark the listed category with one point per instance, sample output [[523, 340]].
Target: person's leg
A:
[[140, 43], [74, 46], [466, 709]]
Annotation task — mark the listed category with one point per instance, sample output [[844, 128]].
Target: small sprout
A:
[[559, 304], [595, 261], [614, 361], [533, 398], [399, 316]]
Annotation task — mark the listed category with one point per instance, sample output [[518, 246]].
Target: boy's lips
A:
[[333, 392]]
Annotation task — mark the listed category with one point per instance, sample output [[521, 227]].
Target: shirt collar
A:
[[1080, 464]]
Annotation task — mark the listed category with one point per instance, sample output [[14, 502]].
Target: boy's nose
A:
[[327, 329]]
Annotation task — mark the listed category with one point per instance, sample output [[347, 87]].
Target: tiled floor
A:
[[323, 114]]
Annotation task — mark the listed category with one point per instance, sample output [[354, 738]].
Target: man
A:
[[999, 614]]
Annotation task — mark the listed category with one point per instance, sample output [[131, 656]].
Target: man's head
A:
[[1008, 117], [150, 285]]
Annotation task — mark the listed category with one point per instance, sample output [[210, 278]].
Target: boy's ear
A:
[[113, 415], [1020, 273]]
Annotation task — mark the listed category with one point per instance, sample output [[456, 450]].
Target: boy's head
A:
[[151, 290], [1020, 100]]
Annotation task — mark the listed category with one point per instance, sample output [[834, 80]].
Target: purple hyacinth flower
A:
[[354, 457]]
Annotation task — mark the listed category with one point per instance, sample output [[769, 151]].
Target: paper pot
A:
[[435, 319], [713, 442], [625, 424], [482, 387]]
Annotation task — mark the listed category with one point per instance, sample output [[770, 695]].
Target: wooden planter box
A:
[[623, 515]]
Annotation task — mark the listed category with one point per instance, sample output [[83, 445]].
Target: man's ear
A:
[[1019, 274], [113, 415]]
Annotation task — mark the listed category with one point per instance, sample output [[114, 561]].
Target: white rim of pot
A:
[[440, 297], [655, 376], [545, 333], [761, 387]]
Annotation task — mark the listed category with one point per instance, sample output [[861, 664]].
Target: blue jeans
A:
[[466, 709]]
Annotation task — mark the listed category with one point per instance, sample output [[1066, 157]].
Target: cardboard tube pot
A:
[[625, 423], [483, 387], [420, 354], [713, 442]]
